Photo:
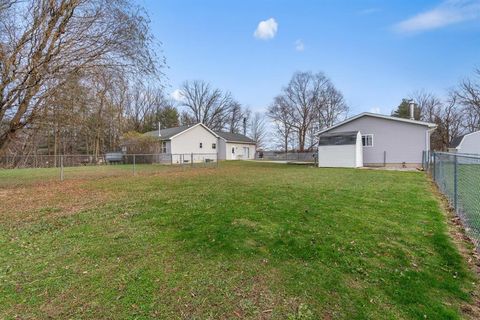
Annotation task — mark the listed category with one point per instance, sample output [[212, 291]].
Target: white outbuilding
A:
[[340, 149], [468, 143]]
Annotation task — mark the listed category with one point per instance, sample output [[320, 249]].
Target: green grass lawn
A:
[[244, 241], [22, 177]]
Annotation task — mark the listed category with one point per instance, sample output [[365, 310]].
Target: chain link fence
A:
[[286, 156], [458, 178], [86, 166]]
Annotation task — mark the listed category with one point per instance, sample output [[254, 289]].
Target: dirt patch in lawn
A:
[[52, 199], [48, 200]]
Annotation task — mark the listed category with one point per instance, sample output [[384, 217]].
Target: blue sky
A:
[[375, 52]]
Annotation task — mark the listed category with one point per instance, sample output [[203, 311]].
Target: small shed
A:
[[468, 143], [340, 149]]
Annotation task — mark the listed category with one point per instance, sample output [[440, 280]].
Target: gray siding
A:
[[402, 141]]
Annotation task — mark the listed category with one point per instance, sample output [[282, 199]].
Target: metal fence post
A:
[[455, 184], [61, 168], [434, 166], [191, 159], [134, 165]]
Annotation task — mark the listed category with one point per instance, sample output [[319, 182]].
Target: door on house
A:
[[246, 152]]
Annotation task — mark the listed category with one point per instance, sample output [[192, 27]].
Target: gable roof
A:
[[457, 141], [169, 133], [234, 137], [381, 116]]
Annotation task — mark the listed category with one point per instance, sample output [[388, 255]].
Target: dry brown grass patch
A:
[[48, 200]]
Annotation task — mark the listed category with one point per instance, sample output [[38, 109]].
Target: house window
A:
[[233, 150], [201, 145], [214, 146], [367, 140], [164, 146]]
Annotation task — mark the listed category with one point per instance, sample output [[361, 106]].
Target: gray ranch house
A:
[[385, 141]]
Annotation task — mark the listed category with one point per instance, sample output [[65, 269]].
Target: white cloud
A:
[[177, 95], [299, 45], [375, 110], [447, 13], [266, 29]]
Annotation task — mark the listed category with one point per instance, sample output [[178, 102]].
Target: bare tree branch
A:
[[44, 41]]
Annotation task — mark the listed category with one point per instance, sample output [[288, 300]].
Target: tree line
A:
[[456, 114], [308, 103], [77, 75], [63, 66]]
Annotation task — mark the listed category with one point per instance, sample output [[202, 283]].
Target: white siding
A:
[[470, 143], [239, 151], [337, 156], [349, 156], [189, 141], [359, 151]]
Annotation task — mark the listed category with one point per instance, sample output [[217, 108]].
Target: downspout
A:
[[427, 138]]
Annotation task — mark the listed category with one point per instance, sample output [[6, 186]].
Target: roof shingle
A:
[[456, 141], [234, 137], [166, 134]]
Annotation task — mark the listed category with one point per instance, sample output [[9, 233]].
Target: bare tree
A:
[[186, 119], [331, 107], [447, 115], [450, 122], [280, 115], [468, 95], [428, 105], [206, 105], [257, 129], [471, 120], [308, 101], [144, 106], [238, 119], [43, 41]]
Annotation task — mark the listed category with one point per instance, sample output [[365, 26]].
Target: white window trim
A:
[[365, 135]]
